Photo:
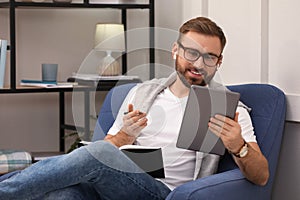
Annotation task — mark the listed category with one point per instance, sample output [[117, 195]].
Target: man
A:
[[155, 109]]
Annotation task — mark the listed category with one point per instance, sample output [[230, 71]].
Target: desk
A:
[[86, 89]]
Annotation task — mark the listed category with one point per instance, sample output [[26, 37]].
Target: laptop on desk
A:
[[203, 103]]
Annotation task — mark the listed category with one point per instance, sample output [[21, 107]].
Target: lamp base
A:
[[109, 66]]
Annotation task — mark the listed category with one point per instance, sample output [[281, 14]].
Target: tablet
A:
[[203, 103]]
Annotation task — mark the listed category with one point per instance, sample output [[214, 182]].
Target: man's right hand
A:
[[133, 122]]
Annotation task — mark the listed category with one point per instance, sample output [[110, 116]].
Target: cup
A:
[[49, 72]]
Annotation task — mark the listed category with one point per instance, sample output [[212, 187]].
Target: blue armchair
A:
[[268, 115]]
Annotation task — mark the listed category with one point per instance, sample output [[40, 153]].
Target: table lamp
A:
[[109, 38]]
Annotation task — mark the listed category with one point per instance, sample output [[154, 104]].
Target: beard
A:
[[188, 81]]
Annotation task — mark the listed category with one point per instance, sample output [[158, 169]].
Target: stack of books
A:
[[47, 84], [3, 51]]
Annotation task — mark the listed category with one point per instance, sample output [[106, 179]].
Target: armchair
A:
[[268, 115]]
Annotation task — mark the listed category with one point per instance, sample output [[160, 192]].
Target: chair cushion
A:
[[11, 160]]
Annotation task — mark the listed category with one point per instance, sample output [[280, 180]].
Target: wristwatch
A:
[[243, 151]]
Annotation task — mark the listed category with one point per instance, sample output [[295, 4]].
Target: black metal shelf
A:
[[71, 5], [38, 90], [12, 5]]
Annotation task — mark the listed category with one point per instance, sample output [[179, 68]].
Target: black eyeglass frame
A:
[[203, 55]]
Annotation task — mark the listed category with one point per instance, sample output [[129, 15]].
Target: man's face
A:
[[197, 72]]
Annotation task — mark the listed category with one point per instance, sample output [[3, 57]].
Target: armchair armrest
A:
[[230, 184]]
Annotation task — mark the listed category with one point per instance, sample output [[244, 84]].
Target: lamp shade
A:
[[109, 37]]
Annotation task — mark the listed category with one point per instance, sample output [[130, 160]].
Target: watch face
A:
[[244, 151]]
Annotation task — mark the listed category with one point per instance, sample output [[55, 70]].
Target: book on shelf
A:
[[47, 84], [149, 159], [3, 51]]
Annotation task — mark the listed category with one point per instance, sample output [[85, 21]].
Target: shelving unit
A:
[[12, 5]]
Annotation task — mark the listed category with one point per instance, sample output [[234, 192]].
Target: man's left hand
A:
[[228, 130]]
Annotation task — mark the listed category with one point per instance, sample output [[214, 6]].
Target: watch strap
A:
[[241, 151]]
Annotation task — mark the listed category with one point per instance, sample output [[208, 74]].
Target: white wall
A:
[[241, 26], [283, 52], [241, 23]]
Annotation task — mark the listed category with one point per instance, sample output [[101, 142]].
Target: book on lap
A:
[[149, 159]]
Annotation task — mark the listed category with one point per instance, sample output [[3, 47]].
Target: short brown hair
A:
[[204, 26]]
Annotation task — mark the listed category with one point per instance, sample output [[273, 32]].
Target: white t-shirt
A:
[[164, 120]]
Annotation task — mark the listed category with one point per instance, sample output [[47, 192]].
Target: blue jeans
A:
[[96, 171]]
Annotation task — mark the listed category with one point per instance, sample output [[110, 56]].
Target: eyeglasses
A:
[[193, 55]]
